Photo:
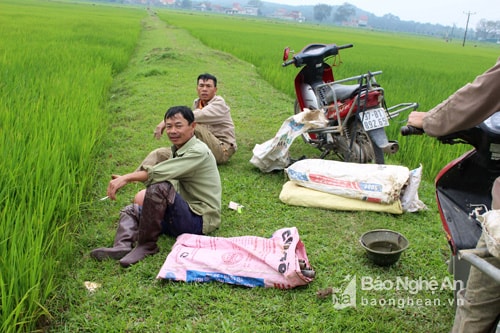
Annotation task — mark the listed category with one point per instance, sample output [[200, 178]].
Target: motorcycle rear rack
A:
[[371, 85], [476, 257], [393, 112]]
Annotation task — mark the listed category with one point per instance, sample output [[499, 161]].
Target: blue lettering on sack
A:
[[295, 175], [295, 126], [198, 276], [372, 187]]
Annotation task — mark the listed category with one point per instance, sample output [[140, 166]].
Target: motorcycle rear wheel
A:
[[362, 150]]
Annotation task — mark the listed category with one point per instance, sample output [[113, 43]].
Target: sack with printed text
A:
[[277, 262], [381, 183]]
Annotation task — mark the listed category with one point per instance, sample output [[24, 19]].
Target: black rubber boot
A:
[[158, 197], [126, 234]]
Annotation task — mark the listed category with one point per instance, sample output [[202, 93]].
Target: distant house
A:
[[363, 21], [237, 9], [250, 10], [294, 15], [201, 7]]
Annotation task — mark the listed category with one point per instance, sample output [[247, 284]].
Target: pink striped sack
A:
[[277, 262]]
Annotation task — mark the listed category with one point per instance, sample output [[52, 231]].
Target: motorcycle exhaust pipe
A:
[[379, 138], [391, 148]]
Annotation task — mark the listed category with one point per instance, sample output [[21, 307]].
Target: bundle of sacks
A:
[[352, 186]]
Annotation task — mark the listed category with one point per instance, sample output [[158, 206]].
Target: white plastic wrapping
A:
[[274, 154]]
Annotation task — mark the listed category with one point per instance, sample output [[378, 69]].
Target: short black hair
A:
[[186, 112], [205, 77]]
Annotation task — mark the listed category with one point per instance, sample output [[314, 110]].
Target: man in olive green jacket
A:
[[183, 195]]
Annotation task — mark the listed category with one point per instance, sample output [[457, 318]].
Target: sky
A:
[[445, 12]]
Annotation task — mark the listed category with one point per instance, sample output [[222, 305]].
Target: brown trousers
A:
[[478, 305]]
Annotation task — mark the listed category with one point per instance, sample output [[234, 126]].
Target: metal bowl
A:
[[383, 247]]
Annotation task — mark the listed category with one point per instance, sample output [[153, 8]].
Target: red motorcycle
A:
[[463, 193], [355, 107]]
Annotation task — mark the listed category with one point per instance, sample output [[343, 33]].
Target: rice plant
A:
[[56, 72]]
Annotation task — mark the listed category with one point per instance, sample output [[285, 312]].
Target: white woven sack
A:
[[491, 231], [370, 182]]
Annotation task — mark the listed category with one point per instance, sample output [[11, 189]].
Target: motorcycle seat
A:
[[344, 91]]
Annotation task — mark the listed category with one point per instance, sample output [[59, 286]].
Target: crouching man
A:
[[192, 206]]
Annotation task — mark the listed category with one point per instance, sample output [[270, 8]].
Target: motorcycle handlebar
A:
[[410, 130], [332, 48], [346, 46]]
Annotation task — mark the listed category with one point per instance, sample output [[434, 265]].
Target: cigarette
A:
[[102, 199]]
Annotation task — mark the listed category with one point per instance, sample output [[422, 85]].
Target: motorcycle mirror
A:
[[286, 53]]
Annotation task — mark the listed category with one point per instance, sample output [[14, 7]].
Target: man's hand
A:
[[416, 119], [114, 185], [160, 128], [117, 181]]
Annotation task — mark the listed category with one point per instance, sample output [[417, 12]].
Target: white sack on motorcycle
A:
[[491, 231], [380, 183], [273, 154]]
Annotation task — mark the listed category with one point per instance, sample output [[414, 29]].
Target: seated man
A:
[[214, 124], [194, 208]]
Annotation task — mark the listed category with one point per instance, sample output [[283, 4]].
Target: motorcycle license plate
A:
[[374, 118]]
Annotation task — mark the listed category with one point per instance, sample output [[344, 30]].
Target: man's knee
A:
[[139, 197], [161, 191]]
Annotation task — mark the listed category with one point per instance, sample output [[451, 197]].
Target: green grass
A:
[[84, 126]]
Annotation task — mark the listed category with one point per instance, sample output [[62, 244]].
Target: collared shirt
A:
[[193, 171], [216, 116], [467, 107]]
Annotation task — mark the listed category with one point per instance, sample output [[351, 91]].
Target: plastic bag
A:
[[409, 196], [274, 154]]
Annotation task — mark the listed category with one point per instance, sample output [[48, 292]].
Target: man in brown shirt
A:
[[215, 125], [479, 303]]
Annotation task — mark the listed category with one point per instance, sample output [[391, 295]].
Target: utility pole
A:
[[467, 25], [451, 34]]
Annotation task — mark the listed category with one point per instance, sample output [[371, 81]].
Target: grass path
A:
[[163, 73]]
